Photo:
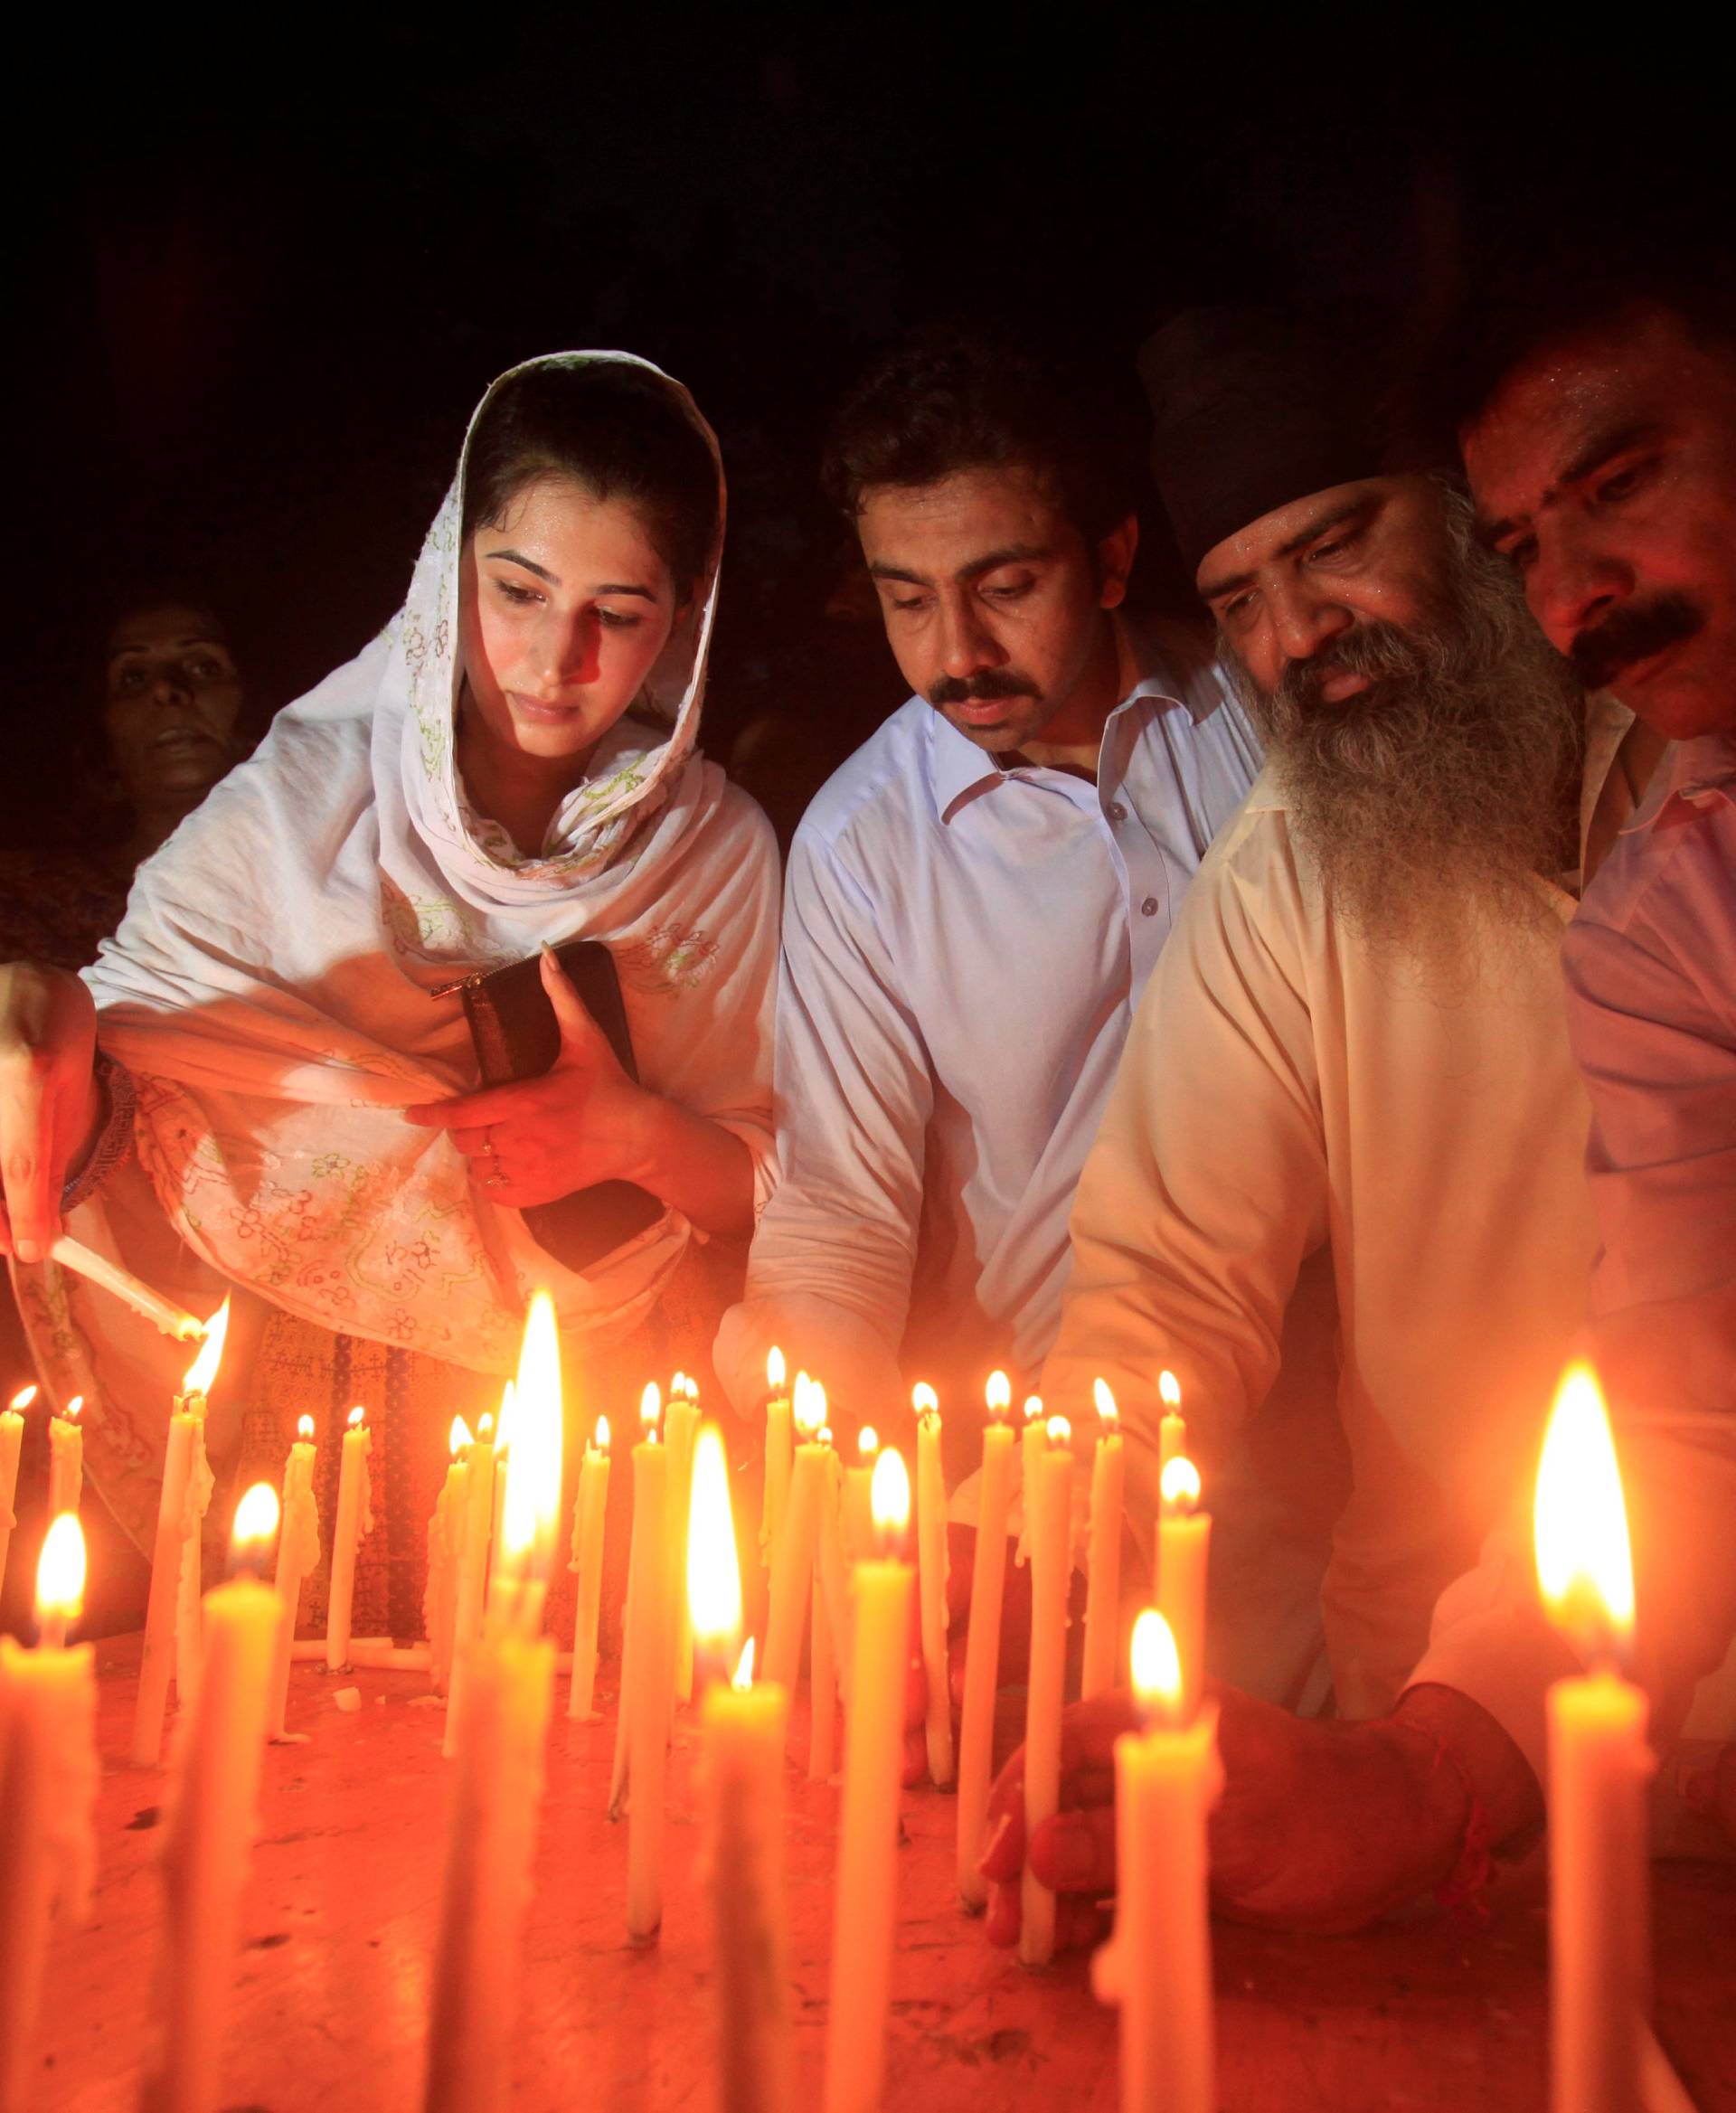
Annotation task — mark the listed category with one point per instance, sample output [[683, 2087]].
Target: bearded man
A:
[[1349, 1082]]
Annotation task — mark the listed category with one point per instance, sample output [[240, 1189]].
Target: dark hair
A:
[[946, 401], [1525, 303], [614, 428]]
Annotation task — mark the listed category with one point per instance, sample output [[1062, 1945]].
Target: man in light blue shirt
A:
[[975, 899]]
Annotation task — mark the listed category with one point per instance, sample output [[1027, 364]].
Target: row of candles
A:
[[834, 1542]]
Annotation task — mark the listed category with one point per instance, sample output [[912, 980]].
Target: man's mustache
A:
[[983, 688], [1379, 650], [1633, 633]]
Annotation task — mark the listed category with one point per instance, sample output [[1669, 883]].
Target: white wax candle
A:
[[866, 1896], [162, 1313], [446, 1532], [778, 1435], [856, 1517], [1032, 1447], [589, 1512], [1157, 1966], [1103, 1555], [982, 1657], [472, 1572], [65, 1460], [1172, 1428], [681, 1421], [48, 1791], [792, 1568], [1184, 1560], [644, 1702], [12, 1439], [189, 1617], [297, 1559], [931, 1585], [1048, 1510], [743, 1731], [354, 1518], [211, 1813], [157, 1662], [832, 1585]]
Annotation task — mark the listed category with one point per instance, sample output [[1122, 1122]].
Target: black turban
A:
[[1253, 409]]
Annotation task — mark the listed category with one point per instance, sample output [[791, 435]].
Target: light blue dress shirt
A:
[[963, 946]]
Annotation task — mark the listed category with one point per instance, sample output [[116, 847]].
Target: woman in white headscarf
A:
[[511, 765]]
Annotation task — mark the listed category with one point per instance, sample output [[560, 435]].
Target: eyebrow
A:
[[176, 645], [542, 572], [1592, 455], [1011, 553], [1334, 518]]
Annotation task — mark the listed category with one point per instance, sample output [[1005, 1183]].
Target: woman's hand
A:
[[584, 1121], [50, 1108]]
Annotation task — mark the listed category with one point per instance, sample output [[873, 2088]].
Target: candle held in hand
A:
[[1598, 1766]]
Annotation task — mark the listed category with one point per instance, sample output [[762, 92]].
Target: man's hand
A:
[[1321, 1826], [49, 1104], [534, 1142]]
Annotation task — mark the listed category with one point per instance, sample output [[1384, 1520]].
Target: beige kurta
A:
[[1291, 1091]]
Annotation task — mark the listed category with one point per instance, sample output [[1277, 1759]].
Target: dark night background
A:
[[261, 275]]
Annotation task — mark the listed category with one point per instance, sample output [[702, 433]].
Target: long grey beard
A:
[[1429, 804]]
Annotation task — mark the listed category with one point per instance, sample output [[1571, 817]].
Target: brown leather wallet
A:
[[517, 1036]]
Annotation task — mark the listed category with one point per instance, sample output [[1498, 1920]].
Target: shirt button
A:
[[1115, 811], [1148, 907]]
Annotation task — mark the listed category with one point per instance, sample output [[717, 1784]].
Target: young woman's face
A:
[[565, 606]]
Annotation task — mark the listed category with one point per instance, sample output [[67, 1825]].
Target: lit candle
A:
[[11, 1437], [161, 1312], [858, 1517], [297, 1557], [48, 1793], [931, 1583], [445, 1555], [983, 1644], [590, 1511], [502, 1455], [1103, 1557], [743, 1731], [866, 1896], [1031, 1447], [65, 1460], [644, 1702], [508, 1682], [1048, 1513], [1184, 1554], [1157, 1966], [354, 1518], [829, 1627], [792, 1566], [212, 1812], [1172, 1428], [473, 1569], [1599, 1765], [650, 1417], [777, 1459], [679, 1426], [163, 1610]]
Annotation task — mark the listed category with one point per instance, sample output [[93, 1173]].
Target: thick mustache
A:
[[1632, 634], [1379, 650], [982, 689]]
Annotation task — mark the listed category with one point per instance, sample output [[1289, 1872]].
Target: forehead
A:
[[165, 627], [568, 526], [944, 526], [1286, 529]]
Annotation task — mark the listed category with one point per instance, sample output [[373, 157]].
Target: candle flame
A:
[[1034, 1408], [743, 1677], [689, 1387], [889, 1498], [73, 1408], [774, 1371], [60, 1572], [458, 1438], [1157, 1664], [357, 1417], [811, 1405], [677, 1385], [23, 1399], [650, 1410], [823, 1437], [256, 1522], [602, 1434], [924, 1399], [1179, 1483], [714, 1568], [1169, 1390], [867, 1442], [305, 1430], [1060, 1431], [533, 1498], [1105, 1400], [485, 1428], [998, 1393], [201, 1373], [1584, 1563]]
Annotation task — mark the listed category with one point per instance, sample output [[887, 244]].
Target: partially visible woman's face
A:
[[173, 701], [565, 606]]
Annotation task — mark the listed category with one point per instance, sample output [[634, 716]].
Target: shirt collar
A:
[[1173, 673], [1698, 772]]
